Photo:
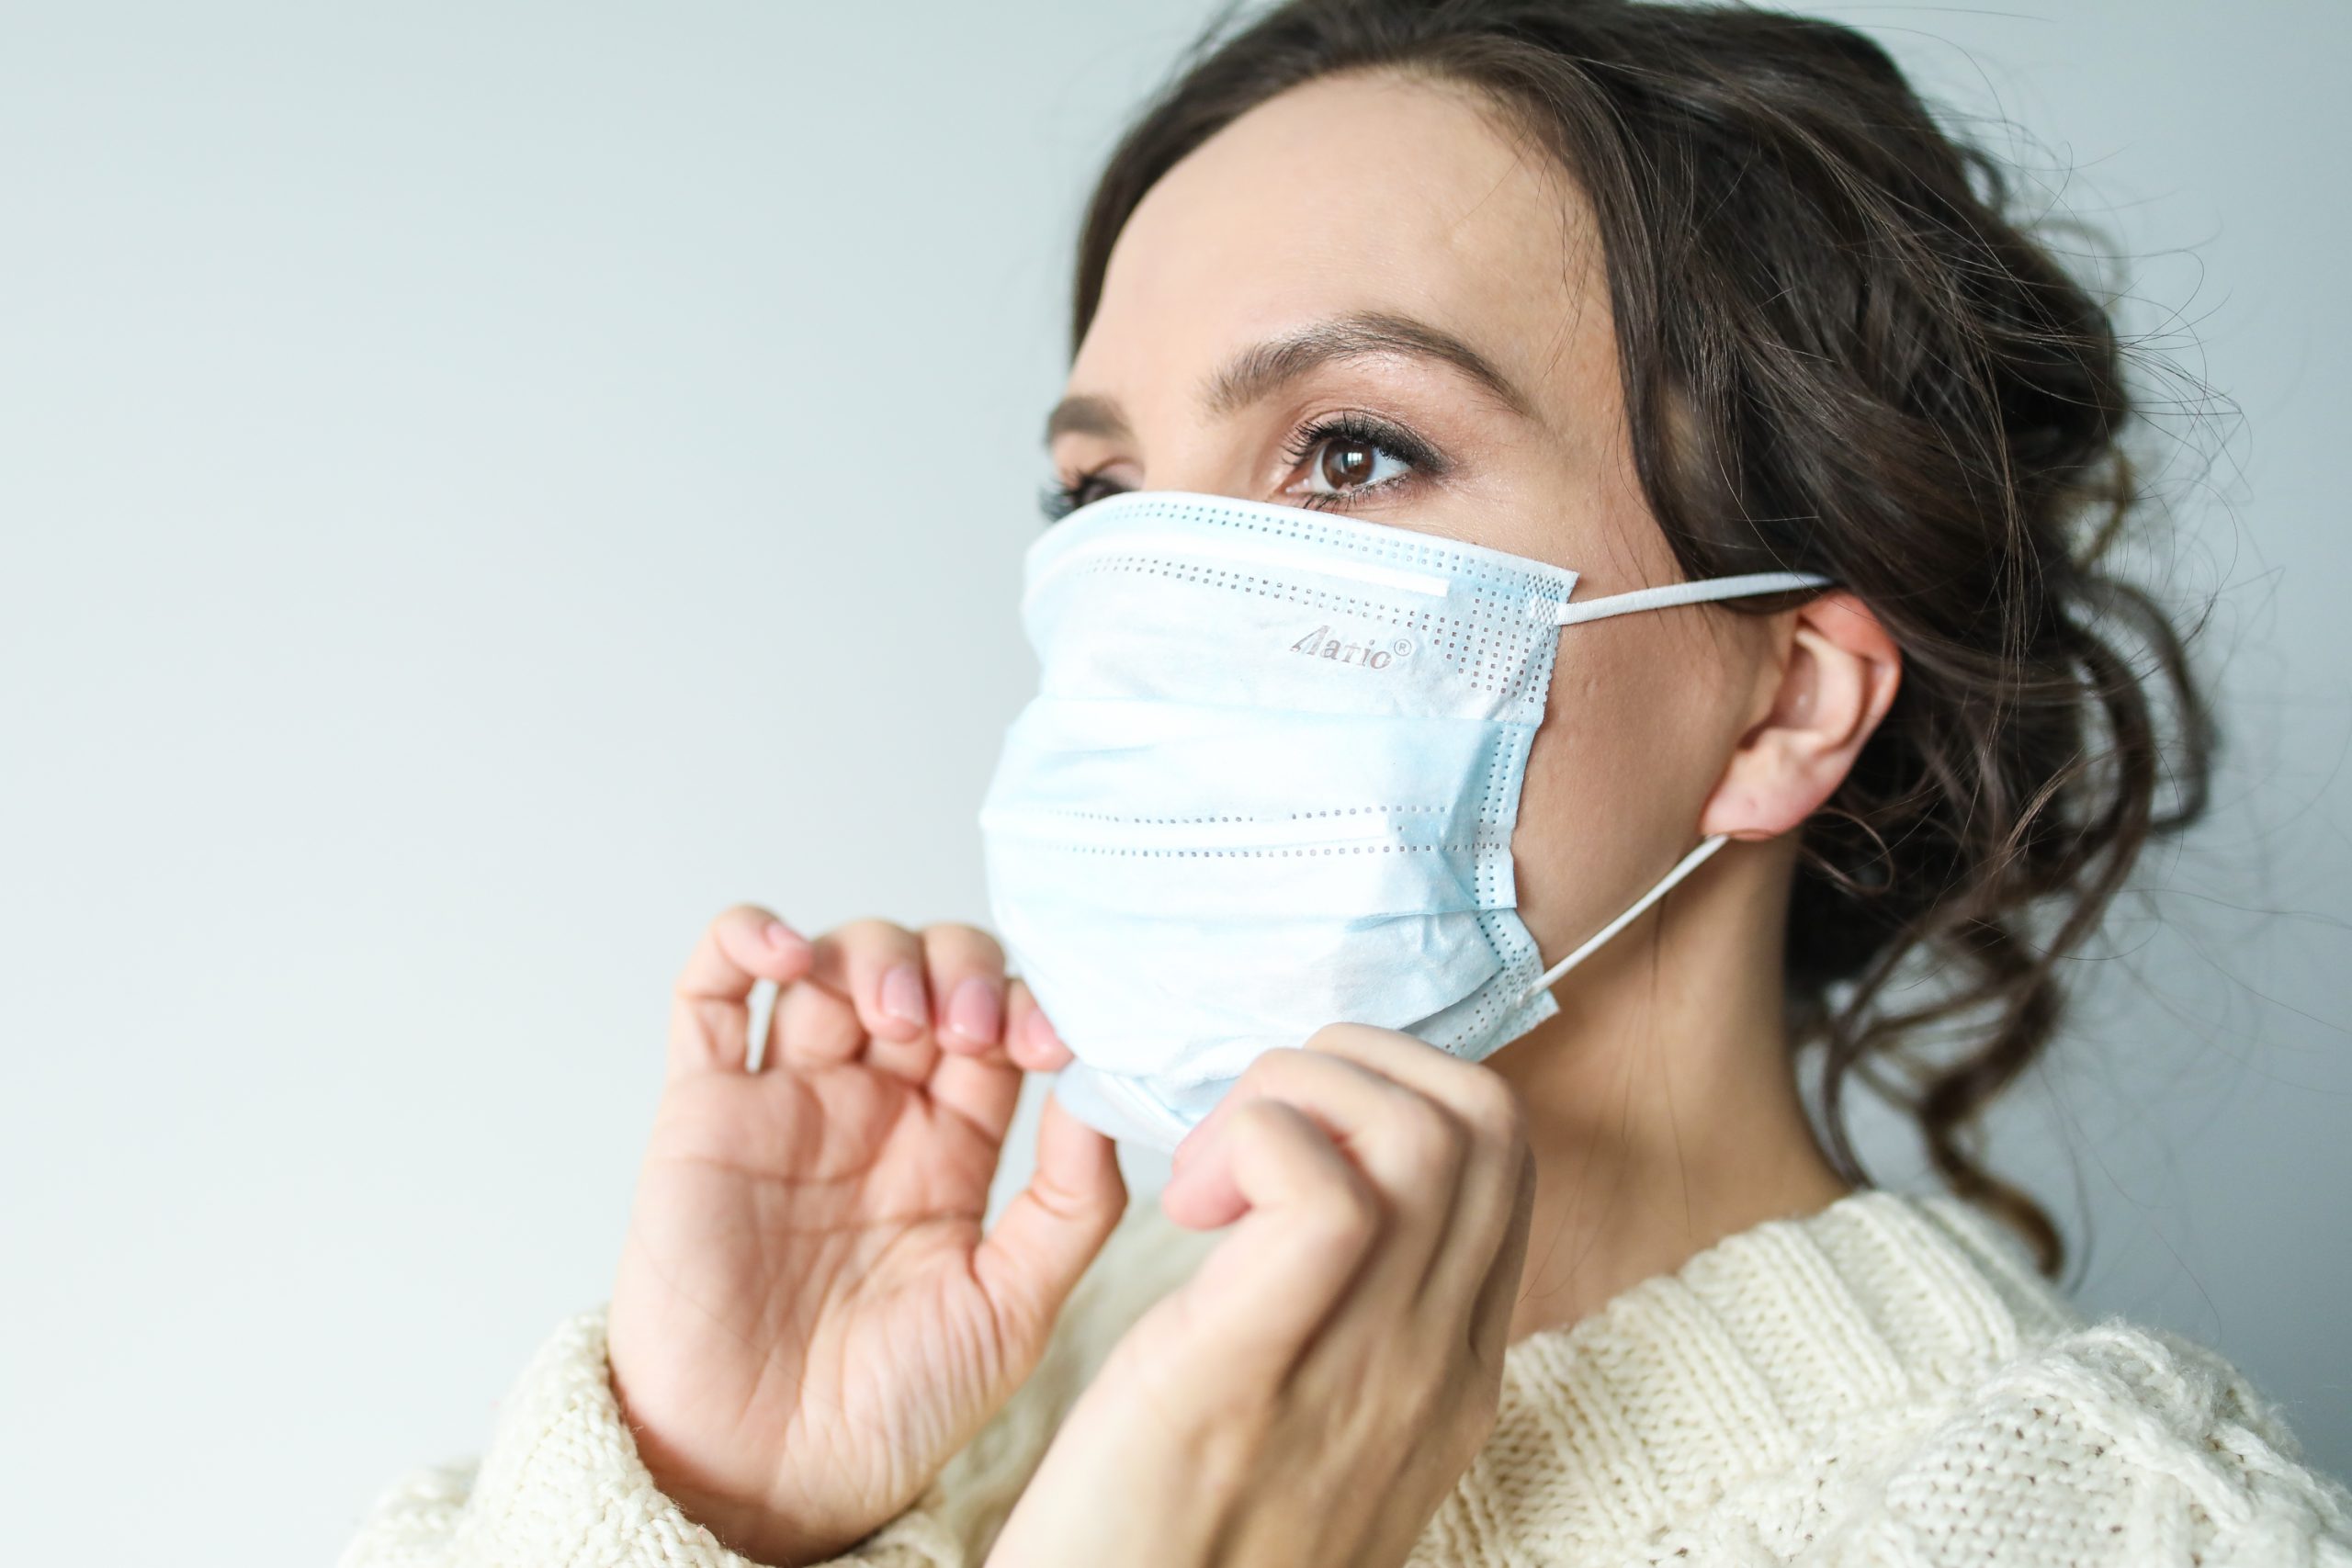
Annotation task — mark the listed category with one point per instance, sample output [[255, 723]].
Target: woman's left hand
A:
[[1313, 1392]]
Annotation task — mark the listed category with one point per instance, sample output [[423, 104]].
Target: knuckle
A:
[[1339, 1203], [1333, 1037], [957, 938], [1479, 1408], [1348, 1213], [1258, 1116], [1275, 1065], [869, 932], [1428, 1139], [1491, 1106]]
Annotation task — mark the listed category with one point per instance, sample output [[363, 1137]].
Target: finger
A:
[[1485, 1108], [1327, 1040], [1407, 1144], [1312, 1217], [1029, 1039], [812, 1026], [1415, 1063], [983, 1090], [980, 1084], [1490, 1314], [710, 1021], [1358, 1108], [879, 967], [1031, 1258], [965, 970], [1490, 1207]]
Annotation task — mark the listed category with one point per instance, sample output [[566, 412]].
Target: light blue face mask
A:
[[1268, 783]]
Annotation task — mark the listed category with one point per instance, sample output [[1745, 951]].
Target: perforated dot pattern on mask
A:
[[1492, 657], [1129, 851], [1391, 547], [1285, 817], [1491, 630]]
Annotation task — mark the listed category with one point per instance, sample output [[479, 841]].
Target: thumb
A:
[[1033, 1255]]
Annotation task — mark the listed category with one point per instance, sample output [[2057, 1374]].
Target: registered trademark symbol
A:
[[1401, 647]]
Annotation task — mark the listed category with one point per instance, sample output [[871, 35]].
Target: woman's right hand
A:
[[809, 1320]]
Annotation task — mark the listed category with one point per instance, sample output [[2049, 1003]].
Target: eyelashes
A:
[[1363, 430], [1058, 498], [1059, 501]]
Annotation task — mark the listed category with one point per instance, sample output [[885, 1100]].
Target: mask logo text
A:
[[1321, 644]]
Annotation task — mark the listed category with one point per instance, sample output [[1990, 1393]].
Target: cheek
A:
[[1630, 746]]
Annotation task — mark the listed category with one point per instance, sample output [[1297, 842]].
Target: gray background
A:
[[482, 486]]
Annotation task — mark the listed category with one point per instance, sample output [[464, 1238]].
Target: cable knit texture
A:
[[1885, 1384]]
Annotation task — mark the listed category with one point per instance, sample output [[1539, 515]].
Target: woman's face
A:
[[1376, 251]]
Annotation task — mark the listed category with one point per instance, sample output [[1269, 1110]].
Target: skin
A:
[[807, 1320]]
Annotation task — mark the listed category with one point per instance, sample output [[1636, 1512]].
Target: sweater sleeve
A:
[[560, 1484]]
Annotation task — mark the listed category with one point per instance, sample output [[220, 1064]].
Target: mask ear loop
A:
[[1670, 593], [1660, 598], [1682, 868]]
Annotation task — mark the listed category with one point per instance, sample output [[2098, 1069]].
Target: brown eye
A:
[[1347, 463]]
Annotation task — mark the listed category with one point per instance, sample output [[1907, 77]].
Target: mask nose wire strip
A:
[[1683, 868], [1670, 593]]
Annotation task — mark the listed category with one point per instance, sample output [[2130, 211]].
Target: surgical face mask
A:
[[1267, 783]]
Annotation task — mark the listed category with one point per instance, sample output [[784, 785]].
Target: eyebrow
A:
[[1086, 414], [1263, 369]]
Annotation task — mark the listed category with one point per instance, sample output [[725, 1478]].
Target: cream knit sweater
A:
[[1881, 1383]]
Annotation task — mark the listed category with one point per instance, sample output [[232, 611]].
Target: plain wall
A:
[[484, 487]]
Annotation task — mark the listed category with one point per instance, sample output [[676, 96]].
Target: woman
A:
[[1656, 295]]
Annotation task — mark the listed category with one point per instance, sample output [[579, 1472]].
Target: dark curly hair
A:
[[1842, 351]]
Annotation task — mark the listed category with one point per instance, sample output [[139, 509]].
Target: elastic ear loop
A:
[[1656, 599], [1682, 868], [1670, 593]]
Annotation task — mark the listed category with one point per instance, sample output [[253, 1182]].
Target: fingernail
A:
[[975, 1012], [1041, 1033], [902, 995], [781, 937]]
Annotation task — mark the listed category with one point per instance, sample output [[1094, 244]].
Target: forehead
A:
[[1358, 192]]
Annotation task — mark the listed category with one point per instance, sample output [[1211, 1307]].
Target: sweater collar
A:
[[1758, 1348]]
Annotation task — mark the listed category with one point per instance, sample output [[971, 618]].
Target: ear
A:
[[1837, 676]]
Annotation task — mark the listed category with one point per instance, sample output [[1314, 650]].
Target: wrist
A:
[[746, 1525], [749, 1529], [1118, 1490]]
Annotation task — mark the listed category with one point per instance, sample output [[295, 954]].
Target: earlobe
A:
[[1835, 685]]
